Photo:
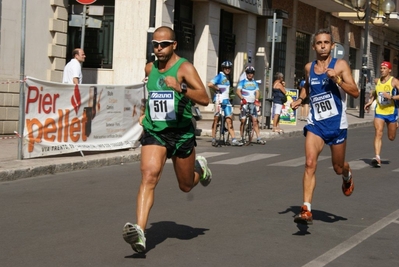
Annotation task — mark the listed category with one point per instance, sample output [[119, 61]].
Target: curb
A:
[[294, 133], [38, 167], [33, 169]]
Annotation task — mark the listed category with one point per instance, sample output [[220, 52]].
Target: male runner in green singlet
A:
[[173, 86]]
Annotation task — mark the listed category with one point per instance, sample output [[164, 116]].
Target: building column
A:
[[129, 54], [207, 21]]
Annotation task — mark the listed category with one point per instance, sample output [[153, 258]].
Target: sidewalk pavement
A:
[[12, 169]]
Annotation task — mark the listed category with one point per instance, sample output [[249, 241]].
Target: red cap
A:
[[386, 64]]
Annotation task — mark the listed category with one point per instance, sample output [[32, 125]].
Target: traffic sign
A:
[[86, 2], [278, 30], [338, 51]]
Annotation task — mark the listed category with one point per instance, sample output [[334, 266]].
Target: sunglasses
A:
[[163, 43]]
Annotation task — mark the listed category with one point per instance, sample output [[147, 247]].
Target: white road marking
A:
[[211, 154], [296, 162], [245, 159], [357, 164], [342, 248], [206, 155]]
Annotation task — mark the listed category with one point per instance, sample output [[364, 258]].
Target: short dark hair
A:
[[321, 31]]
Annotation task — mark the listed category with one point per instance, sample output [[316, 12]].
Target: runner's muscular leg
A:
[[313, 146], [153, 159], [184, 169], [341, 167], [379, 127], [392, 128]]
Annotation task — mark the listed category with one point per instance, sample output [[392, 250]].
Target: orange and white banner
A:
[[64, 118]]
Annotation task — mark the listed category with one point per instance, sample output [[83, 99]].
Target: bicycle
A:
[[221, 129], [248, 126]]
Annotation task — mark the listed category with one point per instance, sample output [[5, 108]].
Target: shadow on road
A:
[[318, 215], [368, 161], [160, 231]]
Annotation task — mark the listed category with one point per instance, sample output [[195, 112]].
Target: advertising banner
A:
[[64, 118], [288, 115]]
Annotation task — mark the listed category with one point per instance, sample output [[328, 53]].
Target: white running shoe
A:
[[206, 172], [235, 142], [134, 235]]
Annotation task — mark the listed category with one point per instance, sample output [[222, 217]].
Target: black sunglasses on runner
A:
[[163, 43]]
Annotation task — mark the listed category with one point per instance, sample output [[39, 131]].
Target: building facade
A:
[[117, 40]]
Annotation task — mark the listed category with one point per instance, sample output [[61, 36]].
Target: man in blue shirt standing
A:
[[248, 92]]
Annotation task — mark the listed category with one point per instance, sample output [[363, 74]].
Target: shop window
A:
[[301, 54], [98, 41], [387, 54], [352, 58], [373, 60], [227, 40], [184, 29], [280, 53]]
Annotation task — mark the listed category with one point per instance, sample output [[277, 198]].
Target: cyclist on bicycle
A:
[[248, 92], [221, 85]]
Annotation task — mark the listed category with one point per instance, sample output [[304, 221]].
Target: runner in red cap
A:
[[386, 112], [386, 64]]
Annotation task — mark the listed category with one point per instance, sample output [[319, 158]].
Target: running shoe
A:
[[134, 235], [348, 186], [214, 143], [206, 177], [260, 141], [376, 163], [235, 142], [304, 217]]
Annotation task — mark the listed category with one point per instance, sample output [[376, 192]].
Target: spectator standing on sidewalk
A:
[[248, 92], [305, 102], [386, 112], [221, 85], [327, 82], [278, 92], [73, 70], [173, 86]]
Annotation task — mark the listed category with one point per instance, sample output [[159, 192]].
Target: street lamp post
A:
[[364, 61], [364, 5]]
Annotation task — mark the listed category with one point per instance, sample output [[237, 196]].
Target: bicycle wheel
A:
[[251, 129], [248, 130], [222, 129], [217, 132]]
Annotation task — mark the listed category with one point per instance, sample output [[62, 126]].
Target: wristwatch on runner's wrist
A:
[[183, 88]]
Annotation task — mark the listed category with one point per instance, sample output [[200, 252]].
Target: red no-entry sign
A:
[[86, 2]]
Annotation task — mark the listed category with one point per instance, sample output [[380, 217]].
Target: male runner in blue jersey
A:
[[328, 80]]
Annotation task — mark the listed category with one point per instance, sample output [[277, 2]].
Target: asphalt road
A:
[[243, 218]]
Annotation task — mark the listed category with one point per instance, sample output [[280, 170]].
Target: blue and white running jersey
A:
[[223, 83], [248, 89], [327, 101]]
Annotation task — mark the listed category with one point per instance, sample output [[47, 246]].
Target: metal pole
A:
[[263, 126], [21, 116], [269, 93], [267, 123], [82, 39], [364, 61]]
